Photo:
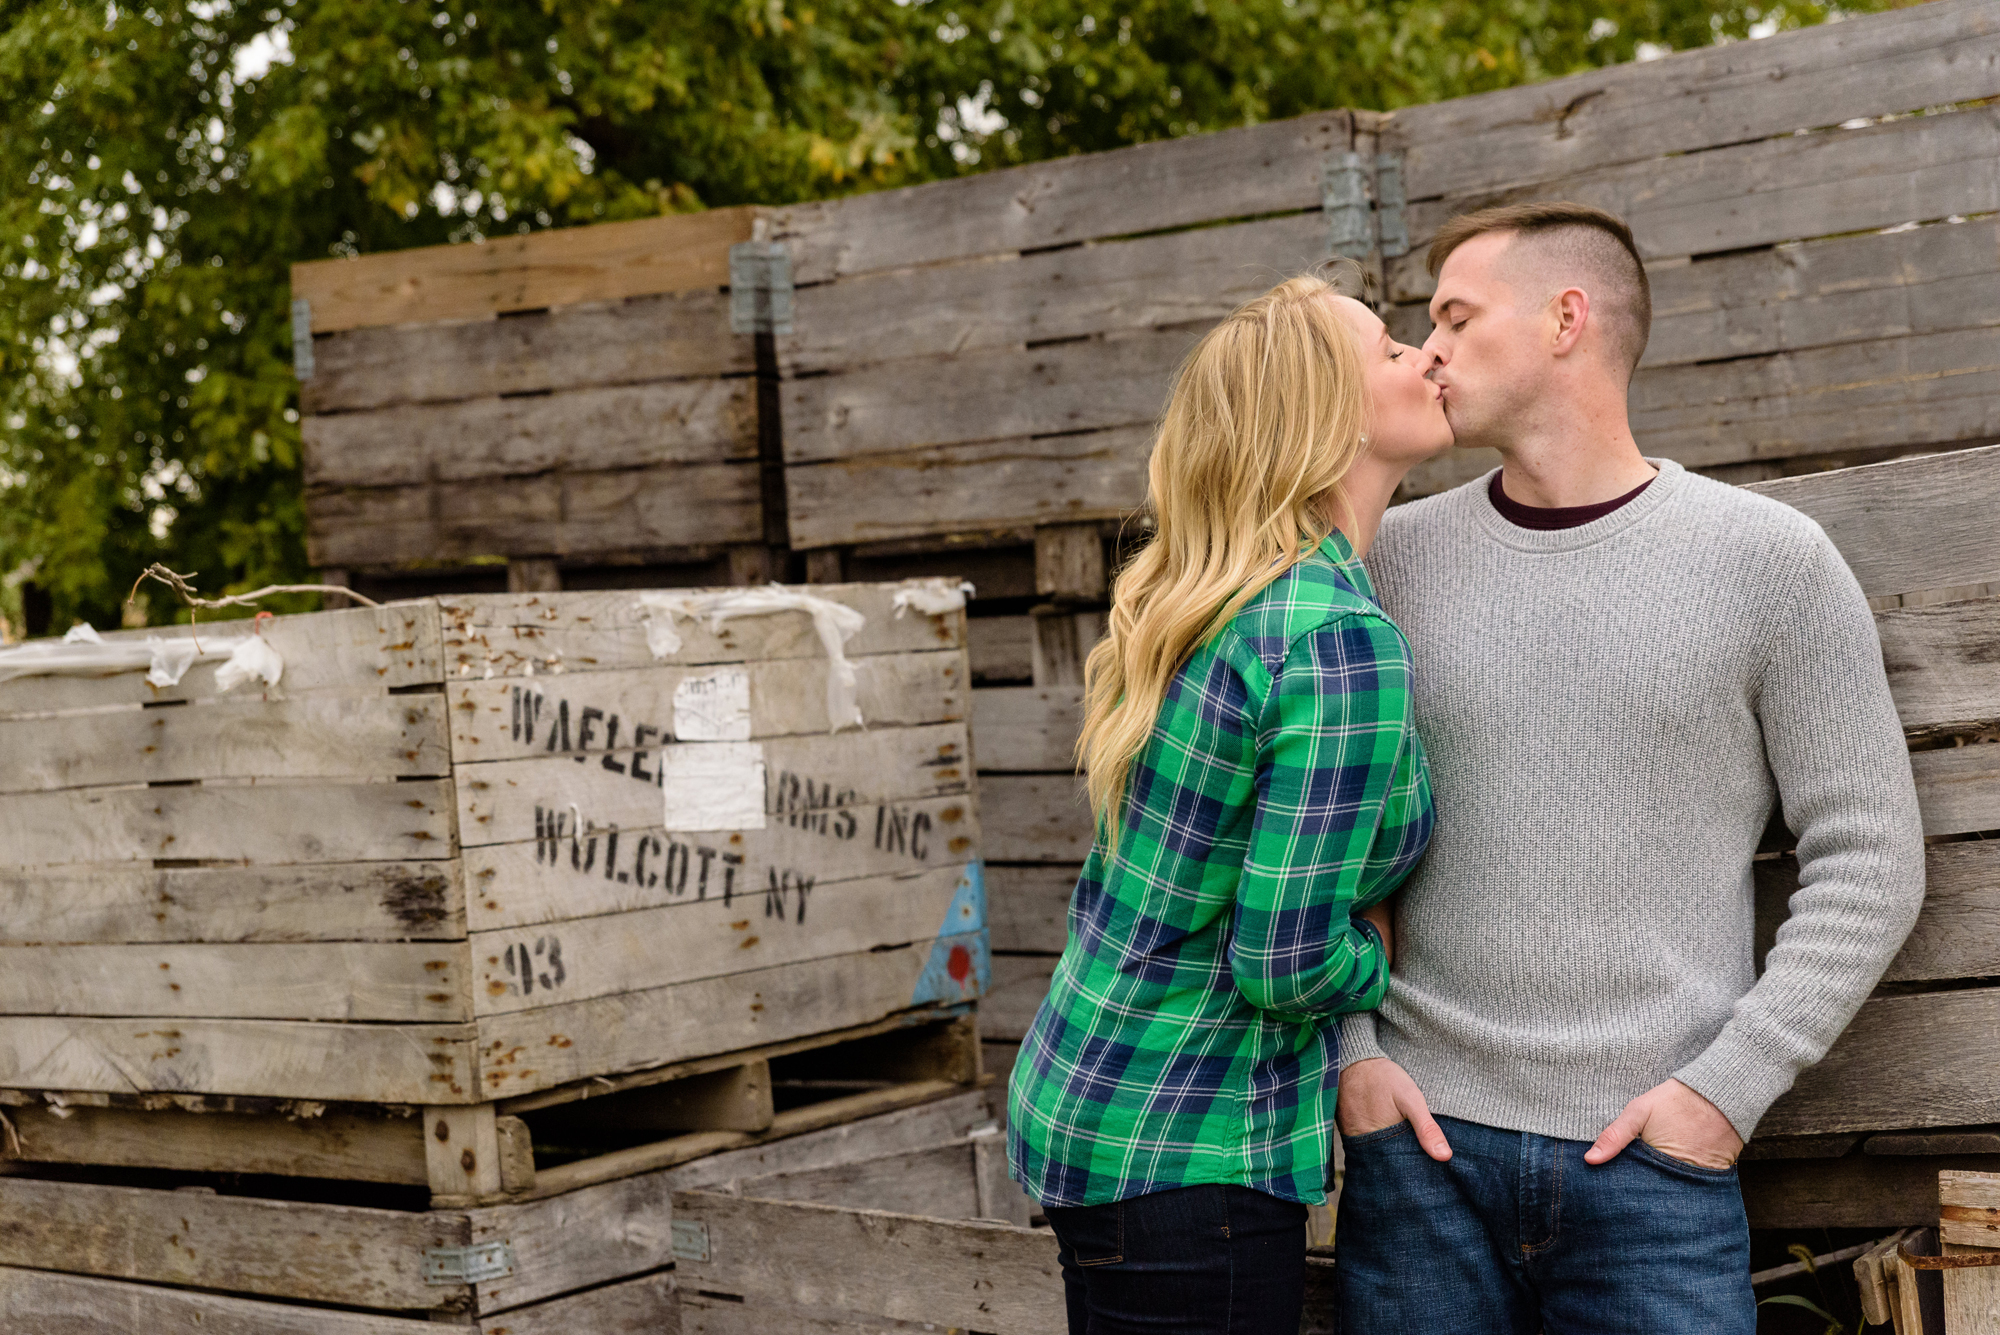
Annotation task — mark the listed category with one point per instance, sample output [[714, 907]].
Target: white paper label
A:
[[713, 785], [713, 706]]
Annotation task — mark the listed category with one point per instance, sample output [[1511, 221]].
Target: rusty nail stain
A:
[[442, 1131], [468, 1161], [748, 942]]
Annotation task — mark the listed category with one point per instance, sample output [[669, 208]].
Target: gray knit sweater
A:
[[1611, 712]]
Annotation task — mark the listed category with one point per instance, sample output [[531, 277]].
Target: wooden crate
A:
[[436, 866]]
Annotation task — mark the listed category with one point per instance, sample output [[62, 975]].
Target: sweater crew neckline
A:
[[1655, 494]]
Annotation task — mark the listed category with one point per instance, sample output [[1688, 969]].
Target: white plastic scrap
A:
[[251, 659], [836, 623], [932, 597], [84, 653]]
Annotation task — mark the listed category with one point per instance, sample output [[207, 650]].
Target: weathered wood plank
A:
[[1847, 289], [1034, 818], [1261, 169], [1943, 663], [590, 1236], [236, 1244], [1725, 94], [1872, 512], [504, 635], [1754, 194], [868, 1138], [1178, 278], [938, 1181], [969, 487], [561, 878], [350, 1147], [993, 394], [426, 982], [989, 1277], [1958, 788], [550, 268], [1858, 1191], [501, 719], [1027, 728], [282, 823], [1957, 935], [1001, 649], [340, 901], [511, 801], [382, 647], [760, 927], [570, 514], [580, 430], [677, 336], [37, 1302], [647, 1305], [553, 1045], [359, 1063], [1028, 906], [1020, 983], [320, 735], [1908, 1061], [702, 1314]]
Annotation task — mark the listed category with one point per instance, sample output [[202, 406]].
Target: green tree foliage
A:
[[162, 165]]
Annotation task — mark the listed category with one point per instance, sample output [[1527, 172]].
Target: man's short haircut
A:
[[1571, 241]]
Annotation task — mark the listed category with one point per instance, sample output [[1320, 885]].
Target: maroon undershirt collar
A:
[[1550, 518]]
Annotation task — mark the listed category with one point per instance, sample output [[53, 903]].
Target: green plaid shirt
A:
[[1189, 1035]]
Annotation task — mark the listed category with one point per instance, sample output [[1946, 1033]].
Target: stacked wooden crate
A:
[[468, 864], [560, 400]]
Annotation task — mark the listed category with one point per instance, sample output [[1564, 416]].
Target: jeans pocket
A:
[[1092, 1234], [1376, 1137], [1659, 1158]]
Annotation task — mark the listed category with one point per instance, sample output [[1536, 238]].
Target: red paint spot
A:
[[959, 965]]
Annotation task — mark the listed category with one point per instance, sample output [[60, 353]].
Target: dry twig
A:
[[179, 584]]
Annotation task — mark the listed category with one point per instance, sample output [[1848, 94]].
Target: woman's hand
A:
[[1379, 915]]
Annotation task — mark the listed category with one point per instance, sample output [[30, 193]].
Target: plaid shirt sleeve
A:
[[1330, 736]]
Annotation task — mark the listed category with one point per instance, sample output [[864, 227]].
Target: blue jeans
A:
[[1518, 1235], [1209, 1260]]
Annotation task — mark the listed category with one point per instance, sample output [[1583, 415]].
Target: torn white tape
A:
[[836, 624], [85, 653], [713, 706], [932, 597], [713, 785], [253, 658]]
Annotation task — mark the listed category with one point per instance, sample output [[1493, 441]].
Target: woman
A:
[[1259, 793]]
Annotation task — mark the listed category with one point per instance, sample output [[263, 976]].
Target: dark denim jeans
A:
[[1518, 1235], [1210, 1260]]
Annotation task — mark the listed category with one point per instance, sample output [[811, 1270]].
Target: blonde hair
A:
[[1265, 419]]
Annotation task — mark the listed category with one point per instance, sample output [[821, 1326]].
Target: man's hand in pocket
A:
[[1377, 1093]]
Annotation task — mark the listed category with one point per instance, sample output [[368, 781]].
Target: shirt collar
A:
[[1337, 549]]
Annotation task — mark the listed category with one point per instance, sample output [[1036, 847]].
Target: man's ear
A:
[[1571, 309]]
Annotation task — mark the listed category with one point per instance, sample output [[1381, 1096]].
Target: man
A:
[[1621, 668]]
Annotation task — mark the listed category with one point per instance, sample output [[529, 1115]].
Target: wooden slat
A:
[[1909, 524], [1020, 982], [1917, 390], [937, 1181], [1958, 933], [972, 487], [1027, 907], [425, 982], [278, 823], [1242, 173], [1958, 789], [1859, 1191], [680, 336], [367, 901], [549, 268], [648, 1305], [992, 394], [580, 430], [524, 883], [351, 1147], [527, 634], [364, 646], [236, 1244], [1942, 663], [1034, 818], [787, 696], [1027, 728], [54, 1304], [522, 969], [973, 1275], [320, 735], [1847, 289], [1001, 648], [1754, 194], [537, 1049], [1909, 1061], [360, 1063], [499, 801], [573, 514], [1919, 57], [1178, 278]]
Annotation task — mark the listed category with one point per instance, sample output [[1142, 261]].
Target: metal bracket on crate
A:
[[760, 288], [690, 1240], [1357, 223], [468, 1265], [302, 338]]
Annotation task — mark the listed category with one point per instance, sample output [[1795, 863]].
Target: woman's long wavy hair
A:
[[1265, 419]]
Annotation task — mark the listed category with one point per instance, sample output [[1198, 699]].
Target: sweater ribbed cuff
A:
[[1736, 1077], [1357, 1039]]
